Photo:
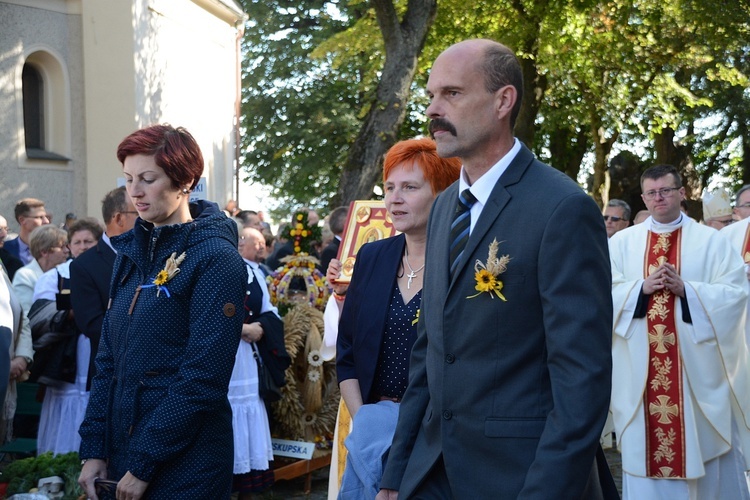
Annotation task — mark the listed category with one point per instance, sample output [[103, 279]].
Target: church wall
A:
[[47, 35], [120, 65], [171, 62], [185, 67]]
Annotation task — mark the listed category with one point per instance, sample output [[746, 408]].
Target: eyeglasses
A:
[[613, 218], [663, 192], [45, 216], [63, 248], [744, 205]]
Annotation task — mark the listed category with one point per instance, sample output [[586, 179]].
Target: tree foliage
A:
[[327, 90], [300, 109]]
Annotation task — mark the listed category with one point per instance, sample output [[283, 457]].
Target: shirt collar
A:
[[482, 187], [659, 227], [250, 263], [105, 239], [24, 252]]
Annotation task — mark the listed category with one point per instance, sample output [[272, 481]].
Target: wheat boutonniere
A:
[[487, 274], [170, 270]]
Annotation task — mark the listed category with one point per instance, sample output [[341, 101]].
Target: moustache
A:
[[441, 124]]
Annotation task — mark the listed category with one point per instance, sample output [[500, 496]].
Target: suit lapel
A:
[[107, 254], [437, 277], [497, 201]]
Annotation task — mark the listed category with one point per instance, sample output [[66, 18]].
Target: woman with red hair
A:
[[379, 318], [158, 421]]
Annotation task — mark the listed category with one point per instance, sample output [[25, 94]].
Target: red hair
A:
[[440, 172], [174, 150]]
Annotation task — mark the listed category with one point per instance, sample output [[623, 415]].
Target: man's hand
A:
[[17, 366], [665, 276], [92, 469], [387, 495], [252, 332], [130, 487], [673, 281]]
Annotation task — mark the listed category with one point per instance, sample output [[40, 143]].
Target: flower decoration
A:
[[323, 442], [309, 418], [311, 286], [313, 375], [487, 274], [302, 234], [314, 358], [171, 269]]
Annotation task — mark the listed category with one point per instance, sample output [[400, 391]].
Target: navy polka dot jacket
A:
[[158, 405]]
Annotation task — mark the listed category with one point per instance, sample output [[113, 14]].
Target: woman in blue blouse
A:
[[158, 420], [379, 321]]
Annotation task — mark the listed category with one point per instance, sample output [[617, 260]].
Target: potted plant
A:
[[23, 475]]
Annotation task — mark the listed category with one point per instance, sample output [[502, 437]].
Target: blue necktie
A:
[[460, 227]]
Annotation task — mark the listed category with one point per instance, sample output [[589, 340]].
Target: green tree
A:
[[403, 38], [300, 112], [326, 92], [330, 86]]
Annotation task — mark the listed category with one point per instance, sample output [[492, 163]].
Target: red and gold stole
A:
[[665, 423], [746, 246]]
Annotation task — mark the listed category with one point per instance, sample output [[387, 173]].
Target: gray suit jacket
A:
[[513, 394]]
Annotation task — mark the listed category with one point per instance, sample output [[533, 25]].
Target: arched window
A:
[[33, 107], [46, 109]]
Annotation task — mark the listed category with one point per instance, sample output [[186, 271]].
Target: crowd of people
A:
[[479, 352]]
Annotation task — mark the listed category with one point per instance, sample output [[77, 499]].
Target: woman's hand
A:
[[92, 469], [130, 487], [332, 274], [252, 332]]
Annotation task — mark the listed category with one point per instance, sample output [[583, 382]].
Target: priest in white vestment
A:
[[680, 388], [739, 237]]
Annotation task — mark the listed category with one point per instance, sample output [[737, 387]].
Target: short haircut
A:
[[43, 238], [85, 224], [659, 171], [620, 204], [244, 215], [501, 67], [25, 205], [439, 172], [174, 150], [744, 188], [113, 202], [337, 219]]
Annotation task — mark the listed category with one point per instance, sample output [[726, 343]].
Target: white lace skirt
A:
[[252, 436], [63, 408]]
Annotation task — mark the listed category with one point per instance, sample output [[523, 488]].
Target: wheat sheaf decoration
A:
[[310, 399]]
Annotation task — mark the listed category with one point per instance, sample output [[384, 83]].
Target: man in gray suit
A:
[[510, 374]]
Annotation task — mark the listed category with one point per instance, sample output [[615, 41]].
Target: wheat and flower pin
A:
[[487, 275], [171, 268]]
